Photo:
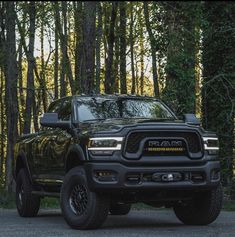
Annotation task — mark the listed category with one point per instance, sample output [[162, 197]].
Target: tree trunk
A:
[[122, 35], [56, 62], [109, 84], [2, 131], [133, 79], [21, 94], [89, 44], [64, 46], [79, 55], [2, 36], [153, 51], [62, 69], [30, 97], [42, 73], [11, 89], [116, 62], [98, 44], [65, 62], [141, 55], [36, 106]]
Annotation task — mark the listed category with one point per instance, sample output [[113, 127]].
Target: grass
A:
[[229, 206], [7, 200]]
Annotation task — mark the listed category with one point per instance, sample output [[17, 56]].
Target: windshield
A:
[[99, 109]]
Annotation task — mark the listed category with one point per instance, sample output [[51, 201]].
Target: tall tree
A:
[[56, 61], [64, 47], [20, 80], [122, 35], [30, 97], [89, 34], [140, 19], [154, 49], [20, 77], [97, 47], [43, 64], [109, 84], [181, 24], [116, 54], [218, 95], [133, 78], [66, 68], [79, 52], [66, 64], [2, 125], [2, 78], [58, 30], [11, 88]]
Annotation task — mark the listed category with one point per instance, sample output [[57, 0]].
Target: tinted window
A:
[[91, 109], [145, 109], [65, 111]]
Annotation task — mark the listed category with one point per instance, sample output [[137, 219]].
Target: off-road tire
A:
[[203, 209], [119, 208], [75, 195], [27, 204]]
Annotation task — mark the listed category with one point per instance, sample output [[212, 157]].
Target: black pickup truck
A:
[[101, 153]]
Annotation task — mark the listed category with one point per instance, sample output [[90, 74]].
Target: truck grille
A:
[[134, 139]]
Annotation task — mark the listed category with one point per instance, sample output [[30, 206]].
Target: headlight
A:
[[211, 144], [105, 143]]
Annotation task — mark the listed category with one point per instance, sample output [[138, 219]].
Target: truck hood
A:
[[116, 126]]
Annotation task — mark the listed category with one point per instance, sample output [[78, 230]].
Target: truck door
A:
[[42, 145], [59, 141]]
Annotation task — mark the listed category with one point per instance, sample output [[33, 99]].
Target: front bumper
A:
[[119, 177]]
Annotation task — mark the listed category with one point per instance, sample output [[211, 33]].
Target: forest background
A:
[[180, 52]]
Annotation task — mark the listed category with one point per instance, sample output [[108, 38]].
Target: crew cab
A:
[[101, 153]]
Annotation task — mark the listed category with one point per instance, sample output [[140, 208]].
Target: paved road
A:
[[138, 223]]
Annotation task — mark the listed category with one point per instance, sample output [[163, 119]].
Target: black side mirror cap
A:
[[191, 119], [51, 120]]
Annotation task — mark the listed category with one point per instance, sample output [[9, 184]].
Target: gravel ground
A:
[[137, 223]]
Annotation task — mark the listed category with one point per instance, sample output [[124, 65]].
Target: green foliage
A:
[[182, 33], [49, 202], [181, 37], [7, 200], [218, 95]]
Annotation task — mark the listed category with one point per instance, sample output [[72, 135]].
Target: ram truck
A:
[[101, 153]]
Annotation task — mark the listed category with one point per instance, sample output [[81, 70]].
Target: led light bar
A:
[[105, 139], [207, 143]]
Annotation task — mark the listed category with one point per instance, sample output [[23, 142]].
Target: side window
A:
[[65, 111]]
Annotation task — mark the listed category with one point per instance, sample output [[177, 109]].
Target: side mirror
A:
[[191, 119], [51, 120]]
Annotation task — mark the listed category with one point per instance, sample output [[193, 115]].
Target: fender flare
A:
[[21, 155], [75, 148]]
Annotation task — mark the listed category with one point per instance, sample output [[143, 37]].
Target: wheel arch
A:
[[75, 157], [22, 163]]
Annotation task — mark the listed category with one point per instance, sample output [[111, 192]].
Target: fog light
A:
[[197, 177], [133, 178], [106, 175]]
